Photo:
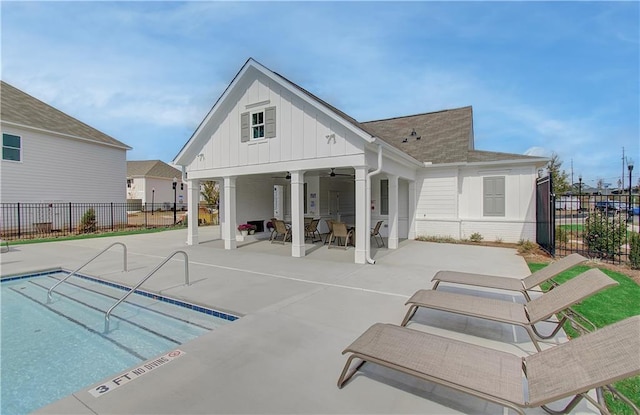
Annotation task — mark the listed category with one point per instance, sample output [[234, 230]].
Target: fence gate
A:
[[545, 215]]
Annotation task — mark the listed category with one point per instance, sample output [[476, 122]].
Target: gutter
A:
[[368, 201]]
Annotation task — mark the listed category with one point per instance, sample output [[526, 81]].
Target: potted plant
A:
[[244, 229], [270, 226], [252, 229]]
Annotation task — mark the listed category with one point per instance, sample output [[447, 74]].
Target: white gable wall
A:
[[58, 169], [301, 132]]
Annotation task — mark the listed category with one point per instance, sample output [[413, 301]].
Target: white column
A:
[[393, 212], [297, 214], [363, 206], [228, 221], [193, 190], [412, 210]]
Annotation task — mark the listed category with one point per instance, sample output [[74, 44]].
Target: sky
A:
[[542, 77]]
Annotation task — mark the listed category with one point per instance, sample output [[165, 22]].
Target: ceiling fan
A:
[[332, 173], [288, 176]]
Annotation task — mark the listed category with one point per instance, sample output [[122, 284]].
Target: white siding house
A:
[[50, 157], [420, 174], [151, 183]]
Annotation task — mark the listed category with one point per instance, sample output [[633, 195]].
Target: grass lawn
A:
[[602, 309], [91, 235]]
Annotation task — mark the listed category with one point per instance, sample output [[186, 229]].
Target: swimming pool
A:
[[52, 350]]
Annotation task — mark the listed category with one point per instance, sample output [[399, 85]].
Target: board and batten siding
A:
[[58, 169], [301, 130]]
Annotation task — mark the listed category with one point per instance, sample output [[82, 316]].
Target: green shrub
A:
[[88, 222], [526, 246], [476, 237], [603, 235], [634, 250], [561, 235]]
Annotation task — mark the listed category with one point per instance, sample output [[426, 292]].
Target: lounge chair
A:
[[525, 315], [376, 232], [593, 360], [339, 230], [510, 284]]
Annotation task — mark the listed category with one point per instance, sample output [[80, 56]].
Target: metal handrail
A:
[[49, 298], [186, 281]]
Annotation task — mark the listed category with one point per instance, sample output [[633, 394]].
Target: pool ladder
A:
[[186, 281], [49, 298]]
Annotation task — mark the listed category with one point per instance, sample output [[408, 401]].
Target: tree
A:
[[210, 193], [600, 184], [559, 179]]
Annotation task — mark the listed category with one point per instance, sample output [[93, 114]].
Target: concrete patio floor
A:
[[298, 314]]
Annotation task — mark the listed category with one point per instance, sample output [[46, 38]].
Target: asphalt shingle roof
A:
[[23, 109], [152, 168]]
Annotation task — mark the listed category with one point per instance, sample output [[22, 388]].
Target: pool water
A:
[[49, 351]]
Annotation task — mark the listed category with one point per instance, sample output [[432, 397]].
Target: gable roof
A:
[[437, 137], [22, 109], [152, 168]]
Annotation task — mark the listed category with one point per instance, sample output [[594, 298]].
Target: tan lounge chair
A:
[[339, 230], [281, 232], [573, 368], [510, 284], [525, 315], [311, 230], [375, 231]]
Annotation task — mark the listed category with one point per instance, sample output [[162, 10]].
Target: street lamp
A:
[[153, 197], [579, 193], [630, 167], [175, 182]]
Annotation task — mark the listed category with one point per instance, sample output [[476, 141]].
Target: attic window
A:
[[257, 125]]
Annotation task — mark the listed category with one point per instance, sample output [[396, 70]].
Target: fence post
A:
[[111, 216], [70, 228], [19, 222]]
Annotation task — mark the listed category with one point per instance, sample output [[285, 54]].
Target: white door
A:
[[334, 205]]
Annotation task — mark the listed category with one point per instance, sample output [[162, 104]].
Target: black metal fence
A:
[[44, 220], [596, 226], [545, 215]]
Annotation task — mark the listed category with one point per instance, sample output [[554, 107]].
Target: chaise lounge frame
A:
[[507, 283], [594, 360], [525, 315]]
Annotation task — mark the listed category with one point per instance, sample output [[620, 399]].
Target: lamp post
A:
[[175, 182], [153, 197], [579, 193], [629, 207]]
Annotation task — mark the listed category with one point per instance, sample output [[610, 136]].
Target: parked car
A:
[[611, 206]]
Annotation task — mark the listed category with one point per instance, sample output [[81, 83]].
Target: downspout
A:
[[368, 200]]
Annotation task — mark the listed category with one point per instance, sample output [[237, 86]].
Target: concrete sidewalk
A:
[[298, 314]]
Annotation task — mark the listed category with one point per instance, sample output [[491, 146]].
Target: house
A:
[[52, 158], [150, 182], [278, 150]]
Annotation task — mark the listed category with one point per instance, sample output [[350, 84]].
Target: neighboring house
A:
[[51, 157], [151, 182], [278, 150]]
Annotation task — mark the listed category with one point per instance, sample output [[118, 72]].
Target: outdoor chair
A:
[[510, 284], [339, 230], [282, 232], [571, 369], [524, 315], [311, 230], [376, 232], [330, 227]]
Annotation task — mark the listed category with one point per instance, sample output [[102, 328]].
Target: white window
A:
[[257, 125], [384, 197], [11, 147]]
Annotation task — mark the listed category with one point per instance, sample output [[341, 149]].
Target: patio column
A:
[[228, 220], [297, 214], [362, 207], [193, 190], [393, 212], [412, 210]]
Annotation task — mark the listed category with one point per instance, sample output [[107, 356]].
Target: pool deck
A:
[[298, 314]]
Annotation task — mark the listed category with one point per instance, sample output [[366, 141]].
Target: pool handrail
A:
[[132, 290], [49, 297]]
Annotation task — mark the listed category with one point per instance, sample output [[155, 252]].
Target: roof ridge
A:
[[418, 115]]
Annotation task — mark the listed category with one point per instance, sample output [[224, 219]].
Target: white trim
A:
[[258, 104]]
